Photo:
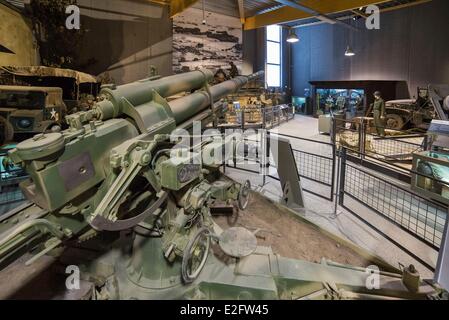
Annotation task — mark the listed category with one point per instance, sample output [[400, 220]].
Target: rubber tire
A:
[[398, 120]]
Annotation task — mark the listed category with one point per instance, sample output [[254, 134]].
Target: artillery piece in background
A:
[[134, 206]]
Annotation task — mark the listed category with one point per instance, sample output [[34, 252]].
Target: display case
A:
[[348, 101], [431, 175], [348, 93], [255, 111], [302, 105]]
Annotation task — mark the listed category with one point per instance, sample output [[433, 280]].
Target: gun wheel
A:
[[195, 255], [244, 193]]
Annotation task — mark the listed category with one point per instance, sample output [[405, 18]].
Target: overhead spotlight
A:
[[292, 37], [349, 52]]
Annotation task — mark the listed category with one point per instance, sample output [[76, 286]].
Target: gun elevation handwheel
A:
[[195, 255], [244, 193]]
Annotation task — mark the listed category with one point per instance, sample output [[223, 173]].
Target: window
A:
[[274, 60]]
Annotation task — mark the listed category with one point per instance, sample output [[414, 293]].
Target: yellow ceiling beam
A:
[[178, 6], [288, 14]]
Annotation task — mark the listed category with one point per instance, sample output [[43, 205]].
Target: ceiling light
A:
[[349, 52], [292, 37]]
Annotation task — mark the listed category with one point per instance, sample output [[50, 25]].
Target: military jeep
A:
[[26, 111], [410, 113]]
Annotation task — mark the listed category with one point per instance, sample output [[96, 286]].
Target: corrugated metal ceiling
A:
[[255, 7], [230, 7], [385, 6]]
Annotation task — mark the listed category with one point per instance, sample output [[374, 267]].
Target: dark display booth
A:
[[354, 97]]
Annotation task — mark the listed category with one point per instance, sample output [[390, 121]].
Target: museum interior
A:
[[224, 150]]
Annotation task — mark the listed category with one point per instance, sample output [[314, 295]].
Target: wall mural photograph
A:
[[212, 45]]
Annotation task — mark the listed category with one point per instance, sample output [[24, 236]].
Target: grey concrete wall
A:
[[125, 38], [253, 51], [411, 45], [249, 51]]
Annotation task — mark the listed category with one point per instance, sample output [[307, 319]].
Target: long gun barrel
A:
[[144, 102], [78, 176], [186, 107], [139, 93]]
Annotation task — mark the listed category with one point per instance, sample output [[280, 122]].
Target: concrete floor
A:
[[343, 223]]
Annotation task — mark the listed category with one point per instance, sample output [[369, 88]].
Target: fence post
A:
[[334, 165], [279, 116], [426, 143], [361, 133], [441, 275], [334, 131], [223, 151], [266, 157], [264, 118], [234, 154], [342, 176]]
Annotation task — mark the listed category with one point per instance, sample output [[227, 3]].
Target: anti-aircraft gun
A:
[[133, 205], [116, 169]]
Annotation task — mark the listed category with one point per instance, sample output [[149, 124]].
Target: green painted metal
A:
[[116, 169], [81, 176]]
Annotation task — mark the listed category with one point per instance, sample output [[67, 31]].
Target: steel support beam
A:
[[313, 12], [405, 5], [241, 11], [361, 14], [289, 14]]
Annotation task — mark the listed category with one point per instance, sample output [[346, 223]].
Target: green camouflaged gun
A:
[[118, 188]]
